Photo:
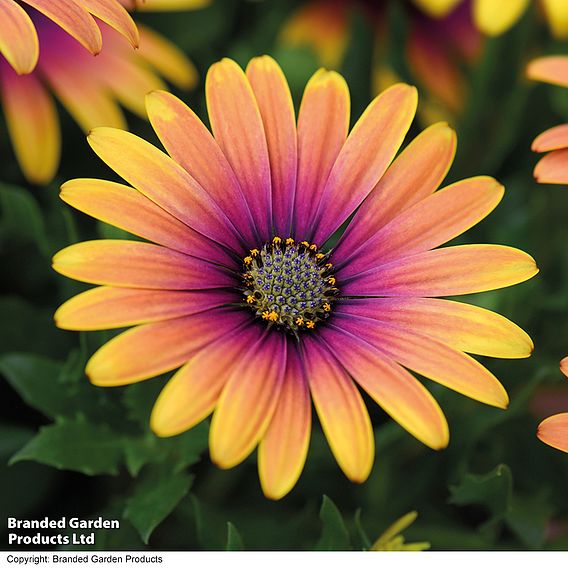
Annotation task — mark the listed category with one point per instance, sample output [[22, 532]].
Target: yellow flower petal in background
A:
[[437, 8], [18, 38], [166, 5], [554, 431], [495, 17], [557, 15]]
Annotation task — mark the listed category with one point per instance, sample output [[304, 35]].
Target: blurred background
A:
[[70, 449]]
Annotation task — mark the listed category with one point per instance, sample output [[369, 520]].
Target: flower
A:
[[554, 429], [48, 46], [494, 18], [553, 168], [243, 293], [435, 50]]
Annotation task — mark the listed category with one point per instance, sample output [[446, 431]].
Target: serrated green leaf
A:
[[140, 398], [156, 496], [234, 540], [76, 445], [334, 532]]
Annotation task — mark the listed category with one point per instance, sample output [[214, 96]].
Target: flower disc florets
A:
[[289, 284]]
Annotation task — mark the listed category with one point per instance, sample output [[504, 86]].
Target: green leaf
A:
[[156, 496], [21, 219], [364, 541], [234, 540], [334, 533], [492, 491], [35, 378], [76, 445]]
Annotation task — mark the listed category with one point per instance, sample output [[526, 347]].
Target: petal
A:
[[277, 111], [323, 122], [18, 38], [135, 264], [557, 16], [555, 138], [551, 69], [192, 393], [283, 450], [341, 411], [237, 126], [564, 366], [450, 271], [169, 5], [167, 59], [553, 168], [554, 431], [108, 308], [162, 180], [494, 18], [155, 348], [416, 173], [248, 401], [74, 19], [86, 99], [437, 8], [462, 326], [32, 122], [128, 209], [394, 389], [191, 145], [430, 358], [430, 223], [113, 14], [365, 156]]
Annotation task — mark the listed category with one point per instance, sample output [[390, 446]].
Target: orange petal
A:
[[370, 148], [108, 308], [134, 264], [237, 126], [390, 386], [191, 145], [552, 69], [167, 59], [248, 401], [554, 431], [155, 348], [430, 223], [192, 393], [113, 14], [128, 209], [449, 271], [432, 359], [18, 38], [555, 138], [553, 168], [564, 366], [283, 450], [32, 122], [323, 122], [277, 111], [74, 19], [162, 180], [341, 411], [416, 173], [462, 326]]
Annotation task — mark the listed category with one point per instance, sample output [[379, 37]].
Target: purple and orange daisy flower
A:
[[48, 45], [554, 429], [238, 285], [552, 168]]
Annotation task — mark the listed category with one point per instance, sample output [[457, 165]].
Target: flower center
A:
[[289, 284]]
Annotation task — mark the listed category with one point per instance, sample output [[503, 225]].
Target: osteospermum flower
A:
[[435, 50], [554, 429], [48, 45], [494, 18], [552, 168], [241, 291]]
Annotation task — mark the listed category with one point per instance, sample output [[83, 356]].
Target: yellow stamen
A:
[[248, 259], [273, 316], [314, 247], [331, 280], [329, 265], [300, 321], [289, 241], [306, 244], [276, 240], [310, 324], [254, 252], [319, 256], [250, 299], [326, 307]]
